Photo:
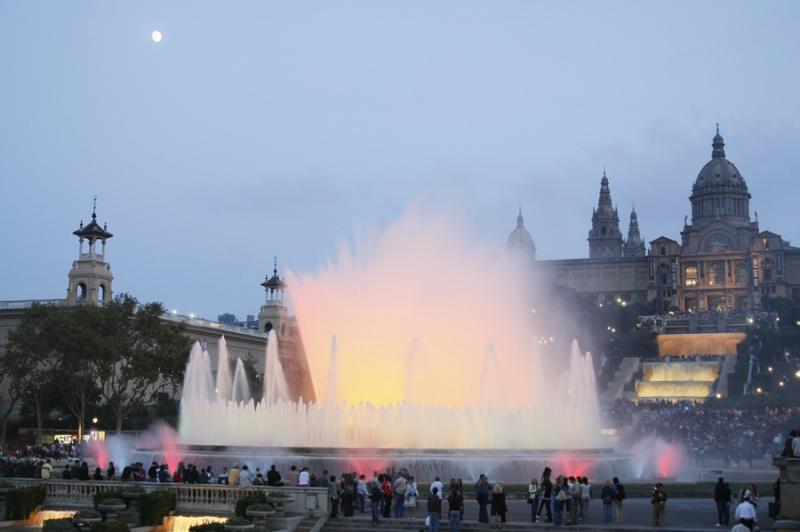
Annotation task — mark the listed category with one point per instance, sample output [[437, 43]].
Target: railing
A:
[[193, 320], [27, 303], [189, 497], [91, 256]]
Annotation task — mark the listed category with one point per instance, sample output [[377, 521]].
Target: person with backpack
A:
[[619, 491], [659, 503], [375, 498], [722, 498]]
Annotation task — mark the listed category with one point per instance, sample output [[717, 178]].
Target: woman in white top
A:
[[411, 498], [533, 498], [586, 496]]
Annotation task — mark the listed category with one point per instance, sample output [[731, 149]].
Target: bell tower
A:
[[90, 277], [273, 314], [605, 238]]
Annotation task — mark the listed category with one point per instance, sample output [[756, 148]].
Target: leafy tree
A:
[[139, 354]]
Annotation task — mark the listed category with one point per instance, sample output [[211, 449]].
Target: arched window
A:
[[80, 291], [268, 327], [101, 293], [663, 250], [603, 230]]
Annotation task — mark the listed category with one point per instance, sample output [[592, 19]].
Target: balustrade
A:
[[189, 497]]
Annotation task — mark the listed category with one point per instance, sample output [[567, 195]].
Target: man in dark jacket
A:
[[273, 477], [482, 490], [722, 496], [659, 502], [434, 509]]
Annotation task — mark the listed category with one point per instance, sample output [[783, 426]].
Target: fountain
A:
[[431, 368]]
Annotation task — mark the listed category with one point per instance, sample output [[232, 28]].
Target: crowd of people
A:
[[733, 436]]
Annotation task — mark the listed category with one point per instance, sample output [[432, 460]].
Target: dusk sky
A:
[[268, 128]]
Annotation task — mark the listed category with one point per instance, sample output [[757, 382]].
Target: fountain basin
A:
[[516, 466]]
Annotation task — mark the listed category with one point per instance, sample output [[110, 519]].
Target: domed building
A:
[[723, 263], [519, 243]]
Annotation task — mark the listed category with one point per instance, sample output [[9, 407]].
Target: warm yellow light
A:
[[797, 373], [719, 396], [759, 390], [769, 368], [780, 383], [156, 36]]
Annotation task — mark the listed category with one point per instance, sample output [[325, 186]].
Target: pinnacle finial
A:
[[94, 208], [717, 128], [275, 269]]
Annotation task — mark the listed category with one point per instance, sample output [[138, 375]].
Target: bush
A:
[[86, 514], [104, 496], [259, 508], [239, 521], [109, 526], [256, 497], [208, 527], [20, 502], [154, 506], [58, 525]]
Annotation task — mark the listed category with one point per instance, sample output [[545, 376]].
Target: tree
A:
[[11, 371], [138, 354]]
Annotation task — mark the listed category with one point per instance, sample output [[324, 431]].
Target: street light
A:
[[94, 420]]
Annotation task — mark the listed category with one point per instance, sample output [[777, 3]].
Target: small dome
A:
[[719, 171]]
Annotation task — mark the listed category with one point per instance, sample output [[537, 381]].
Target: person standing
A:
[[547, 492], [361, 493], [619, 498], [533, 498], [434, 509], [746, 514], [375, 498], [233, 475], [586, 497], [455, 505], [722, 497], [47, 470], [400, 486], [659, 503], [333, 495], [499, 507], [386, 488], [411, 498], [608, 496], [111, 471], [482, 490]]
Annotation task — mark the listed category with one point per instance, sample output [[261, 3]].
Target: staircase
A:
[[728, 366], [625, 372]]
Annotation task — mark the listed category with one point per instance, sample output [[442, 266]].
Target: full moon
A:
[[156, 36]]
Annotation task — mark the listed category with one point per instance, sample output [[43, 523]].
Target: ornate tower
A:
[[274, 314], [90, 277], [519, 243], [605, 239], [634, 245]]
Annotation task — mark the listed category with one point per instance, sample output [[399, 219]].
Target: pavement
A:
[[682, 514]]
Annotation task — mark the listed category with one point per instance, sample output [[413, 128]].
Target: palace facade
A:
[[723, 263]]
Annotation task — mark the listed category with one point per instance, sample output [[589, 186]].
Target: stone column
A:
[[789, 469]]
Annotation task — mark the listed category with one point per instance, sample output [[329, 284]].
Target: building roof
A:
[[92, 231], [719, 174], [520, 238], [274, 282]]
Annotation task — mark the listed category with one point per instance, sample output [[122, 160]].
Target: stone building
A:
[[723, 262], [90, 282]]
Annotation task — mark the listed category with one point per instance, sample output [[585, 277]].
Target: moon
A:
[[156, 36]]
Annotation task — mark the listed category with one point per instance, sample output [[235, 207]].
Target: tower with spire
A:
[[605, 238], [634, 245], [274, 314], [90, 277]]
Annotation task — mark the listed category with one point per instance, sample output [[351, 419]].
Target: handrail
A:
[[189, 497]]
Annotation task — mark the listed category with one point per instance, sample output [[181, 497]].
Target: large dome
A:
[[719, 173], [520, 241]]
